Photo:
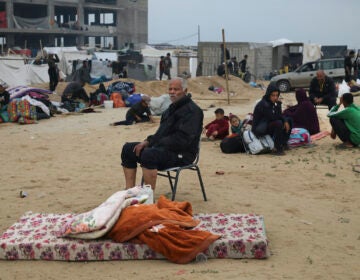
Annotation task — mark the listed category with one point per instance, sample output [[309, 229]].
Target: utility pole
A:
[[198, 33], [226, 67]]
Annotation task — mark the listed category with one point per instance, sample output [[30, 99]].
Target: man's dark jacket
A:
[[328, 91], [180, 129]]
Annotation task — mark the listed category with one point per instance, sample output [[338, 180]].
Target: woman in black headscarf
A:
[[304, 113], [268, 119]]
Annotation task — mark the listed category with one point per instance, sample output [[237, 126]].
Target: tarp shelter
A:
[[290, 54], [110, 56], [14, 72], [38, 23], [279, 42], [333, 51], [66, 56], [69, 54], [151, 56], [311, 52], [100, 68]]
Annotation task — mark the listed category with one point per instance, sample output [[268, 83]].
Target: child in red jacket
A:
[[218, 128]]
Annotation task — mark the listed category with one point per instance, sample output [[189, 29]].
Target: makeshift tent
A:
[[67, 55], [151, 56], [279, 42], [110, 56], [100, 69], [38, 23], [311, 52], [15, 72]]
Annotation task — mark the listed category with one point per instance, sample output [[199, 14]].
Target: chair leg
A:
[[201, 182], [170, 180], [175, 185]]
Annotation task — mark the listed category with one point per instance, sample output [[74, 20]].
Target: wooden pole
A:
[[226, 67], [41, 48], [198, 33]]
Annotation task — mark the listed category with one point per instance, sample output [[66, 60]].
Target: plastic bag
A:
[[343, 88]]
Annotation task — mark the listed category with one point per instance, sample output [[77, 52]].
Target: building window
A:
[[106, 42], [106, 18], [91, 19], [91, 42]]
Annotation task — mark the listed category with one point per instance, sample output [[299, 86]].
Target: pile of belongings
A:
[[29, 104], [123, 95]]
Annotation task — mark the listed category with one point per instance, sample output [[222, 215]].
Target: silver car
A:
[[302, 76]]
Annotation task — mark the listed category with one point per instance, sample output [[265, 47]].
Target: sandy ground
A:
[[309, 197]]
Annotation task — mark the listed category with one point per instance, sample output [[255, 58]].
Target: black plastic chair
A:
[[173, 174]]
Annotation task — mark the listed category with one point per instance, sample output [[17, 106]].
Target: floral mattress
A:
[[34, 237]]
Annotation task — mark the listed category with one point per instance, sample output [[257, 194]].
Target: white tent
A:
[[311, 52], [110, 56], [280, 42], [151, 56], [66, 56], [15, 73]]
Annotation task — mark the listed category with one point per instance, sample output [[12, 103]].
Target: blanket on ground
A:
[[98, 221], [164, 228], [319, 135], [21, 111]]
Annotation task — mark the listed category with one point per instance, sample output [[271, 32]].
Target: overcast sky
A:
[[324, 22]]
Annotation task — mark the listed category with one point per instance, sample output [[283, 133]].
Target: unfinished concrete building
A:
[[110, 24]]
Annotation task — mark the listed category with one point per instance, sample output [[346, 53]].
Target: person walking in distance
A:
[[161, 67], [168, 65]]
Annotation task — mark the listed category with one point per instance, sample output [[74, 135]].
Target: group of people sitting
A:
[[75, 95], [270, 119], [176, 141]]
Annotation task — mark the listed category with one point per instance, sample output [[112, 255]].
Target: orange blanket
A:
[[164, 228]]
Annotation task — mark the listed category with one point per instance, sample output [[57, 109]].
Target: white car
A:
[[302, 76]]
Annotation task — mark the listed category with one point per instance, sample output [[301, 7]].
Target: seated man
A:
[[175, 143], [73, 91], [322, 90], [346, 123]]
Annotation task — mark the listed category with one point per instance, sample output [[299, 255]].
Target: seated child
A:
[[235, 124], [139, 112], [218, 128]]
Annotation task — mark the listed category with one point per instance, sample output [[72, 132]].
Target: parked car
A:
[[302, 76]]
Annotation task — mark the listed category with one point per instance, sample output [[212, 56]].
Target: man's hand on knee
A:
[[139, 147]]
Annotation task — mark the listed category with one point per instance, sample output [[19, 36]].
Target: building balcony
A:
[[87, 30]]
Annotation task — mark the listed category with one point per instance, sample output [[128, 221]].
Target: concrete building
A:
[[102, 23]]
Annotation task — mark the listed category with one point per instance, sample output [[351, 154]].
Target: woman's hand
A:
[[286, 126]]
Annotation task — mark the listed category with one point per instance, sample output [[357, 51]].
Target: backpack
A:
[[232, 144], [255, 145], [247, 122]]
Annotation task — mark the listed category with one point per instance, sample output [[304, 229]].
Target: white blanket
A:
[[97, 222]]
